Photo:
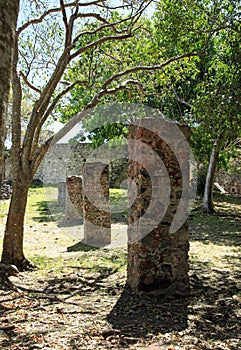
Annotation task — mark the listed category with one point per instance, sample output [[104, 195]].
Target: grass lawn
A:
[[77, 299]]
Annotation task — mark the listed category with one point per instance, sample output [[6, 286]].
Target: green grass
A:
[[118, 204], [117, 193], [42, 201], [218, 233], [104, 259]]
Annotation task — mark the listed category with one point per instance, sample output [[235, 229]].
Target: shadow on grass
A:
[[48, 211], [136, 316], [209, 315], [81, 247], [215, 302], [223, 227]]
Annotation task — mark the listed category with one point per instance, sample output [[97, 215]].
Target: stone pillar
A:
[[61, 193], [97, 218], [74, 198], [157, 261]]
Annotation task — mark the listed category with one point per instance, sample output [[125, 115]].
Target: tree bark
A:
[[13, 239], [8, 22], [207, 204]]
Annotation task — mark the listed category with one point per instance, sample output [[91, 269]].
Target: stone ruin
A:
[[230, 181], [158, 260], [96, 204], [6, 189]]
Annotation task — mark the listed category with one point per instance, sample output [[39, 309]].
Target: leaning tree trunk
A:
[[208, 205], [2, 139], [13, 238]]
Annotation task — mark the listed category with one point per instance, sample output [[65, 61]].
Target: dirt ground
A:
[[78, 298]]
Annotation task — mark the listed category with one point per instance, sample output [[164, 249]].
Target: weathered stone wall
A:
[[230, 181], [79, 153], [97, 221], [53, 169], [62, 160], [159, 260], [74, 198], [66, 160]]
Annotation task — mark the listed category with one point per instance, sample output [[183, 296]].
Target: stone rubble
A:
[[6, 190]]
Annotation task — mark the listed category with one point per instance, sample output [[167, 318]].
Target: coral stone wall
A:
[[97, 220], [157, 258], [74, 198], [231, 182]]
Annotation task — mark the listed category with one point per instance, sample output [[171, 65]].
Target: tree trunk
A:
[[8, 22], [2, 139], [207, 205], [13, 238]]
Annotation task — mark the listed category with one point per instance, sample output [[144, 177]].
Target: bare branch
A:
[[140, 11], [54, 10], [37, 20], [107, 25], [180, 100], [50, 110], [29, 84], [111, 56], [113, 7], [68, 26], [100, 28], [58, 97], [149, 68], [64, 14], [101, 19], [99, 42]]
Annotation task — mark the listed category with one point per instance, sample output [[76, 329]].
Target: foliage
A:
[[206, 95]]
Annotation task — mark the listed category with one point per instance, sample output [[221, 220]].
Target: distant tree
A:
[[208, 95], [218, 103]]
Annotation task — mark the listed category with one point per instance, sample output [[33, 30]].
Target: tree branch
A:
[[149, 68], [104, 91], [54, 10], [64, 14], [99, 42], [111, 56], [113, 25], [124, 86], [29, 84], [39, 154], [181, 100], [58, 97], [50, 110]]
